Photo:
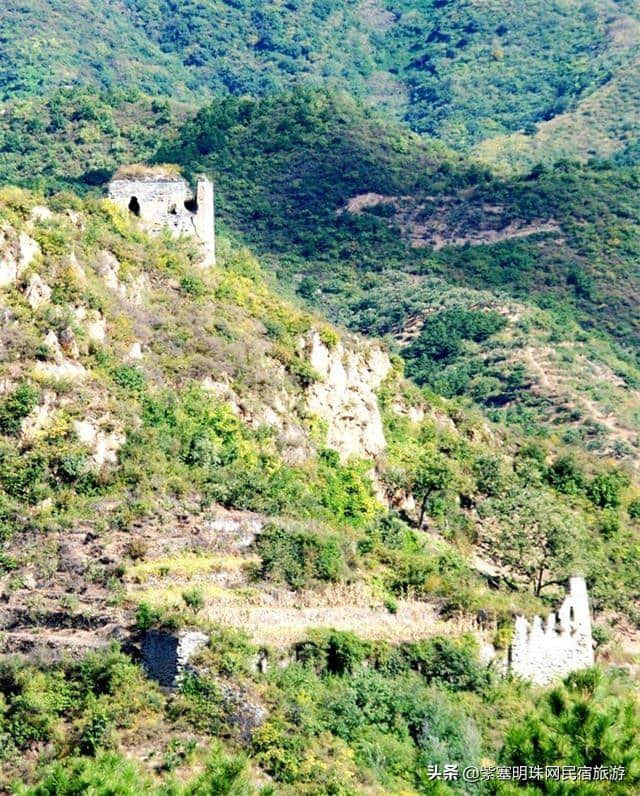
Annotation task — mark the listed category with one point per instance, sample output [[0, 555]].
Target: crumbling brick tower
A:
[[161, 198]]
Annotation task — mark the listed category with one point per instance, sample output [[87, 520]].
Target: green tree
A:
[[592, 719], [537, 537], [432, 477], [606, 489]]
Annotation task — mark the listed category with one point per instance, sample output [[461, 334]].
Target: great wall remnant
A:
[[166, 655], [544, 652], [164, 200]]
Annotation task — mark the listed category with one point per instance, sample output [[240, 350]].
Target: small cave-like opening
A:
[[173, 210], [134, 205], [191, 205]]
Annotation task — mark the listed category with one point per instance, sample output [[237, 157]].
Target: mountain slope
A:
[[380, 228], [463, 72], [601, 125], [360, 215], [184, 447]]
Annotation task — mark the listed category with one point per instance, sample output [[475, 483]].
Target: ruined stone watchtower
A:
[[163, 199], [543, 652]]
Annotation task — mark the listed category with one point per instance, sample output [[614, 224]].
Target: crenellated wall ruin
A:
[[547, 651]]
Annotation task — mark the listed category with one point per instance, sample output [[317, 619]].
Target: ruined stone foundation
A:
[[164, 200], [546, 651], [166, 655]]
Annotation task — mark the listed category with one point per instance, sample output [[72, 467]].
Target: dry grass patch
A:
[[186, 565]]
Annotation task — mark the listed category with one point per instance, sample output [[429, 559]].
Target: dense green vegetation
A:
[[344, 716], [286, 169], [474, 71], [183, 443], [76, 138], [461, 71], [287, 166], [352, 145]]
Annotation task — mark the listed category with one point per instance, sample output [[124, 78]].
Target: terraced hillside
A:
[[183, 448]]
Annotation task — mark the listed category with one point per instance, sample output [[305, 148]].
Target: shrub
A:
[[605, 490], [633, 509], [345, 490], [137, 549], [566, 476], [200, 703], [16, 407], [589, 720], [488, 473], [331, 652], [194, 599], [193, 286], [129, 378], [391, 604], [451, 663], [230, 651], [421, 574], [147, 616], [299, 557], [108, 774], [224, 775], [279, 748], [609, 523], [96, 734]]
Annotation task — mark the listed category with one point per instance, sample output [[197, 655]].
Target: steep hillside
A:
[[602, 125], [267, 527], [377, 227], [380, 229], [463, 72], [183, 447]]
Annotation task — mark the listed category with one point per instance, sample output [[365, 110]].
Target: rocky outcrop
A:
[[104, 445], [41, 214], [133, 290], [243, 711], [59, 366], [94, 323], [17, 252], [38, 292], [39, 419], [344, 396]]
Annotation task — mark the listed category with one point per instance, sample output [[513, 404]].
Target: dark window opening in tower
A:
[[134, 206], [191, 205], [173, 210]]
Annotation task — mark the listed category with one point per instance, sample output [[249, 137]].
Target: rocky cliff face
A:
[[112, 306], [345, 394], [342, 396]]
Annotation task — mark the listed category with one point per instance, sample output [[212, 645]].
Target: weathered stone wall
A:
[[168, 202], [543, 652], [166, 655]]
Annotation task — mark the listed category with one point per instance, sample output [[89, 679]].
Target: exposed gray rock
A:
[[38, 292], [344, 396], [70, 560], [242, 712]]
